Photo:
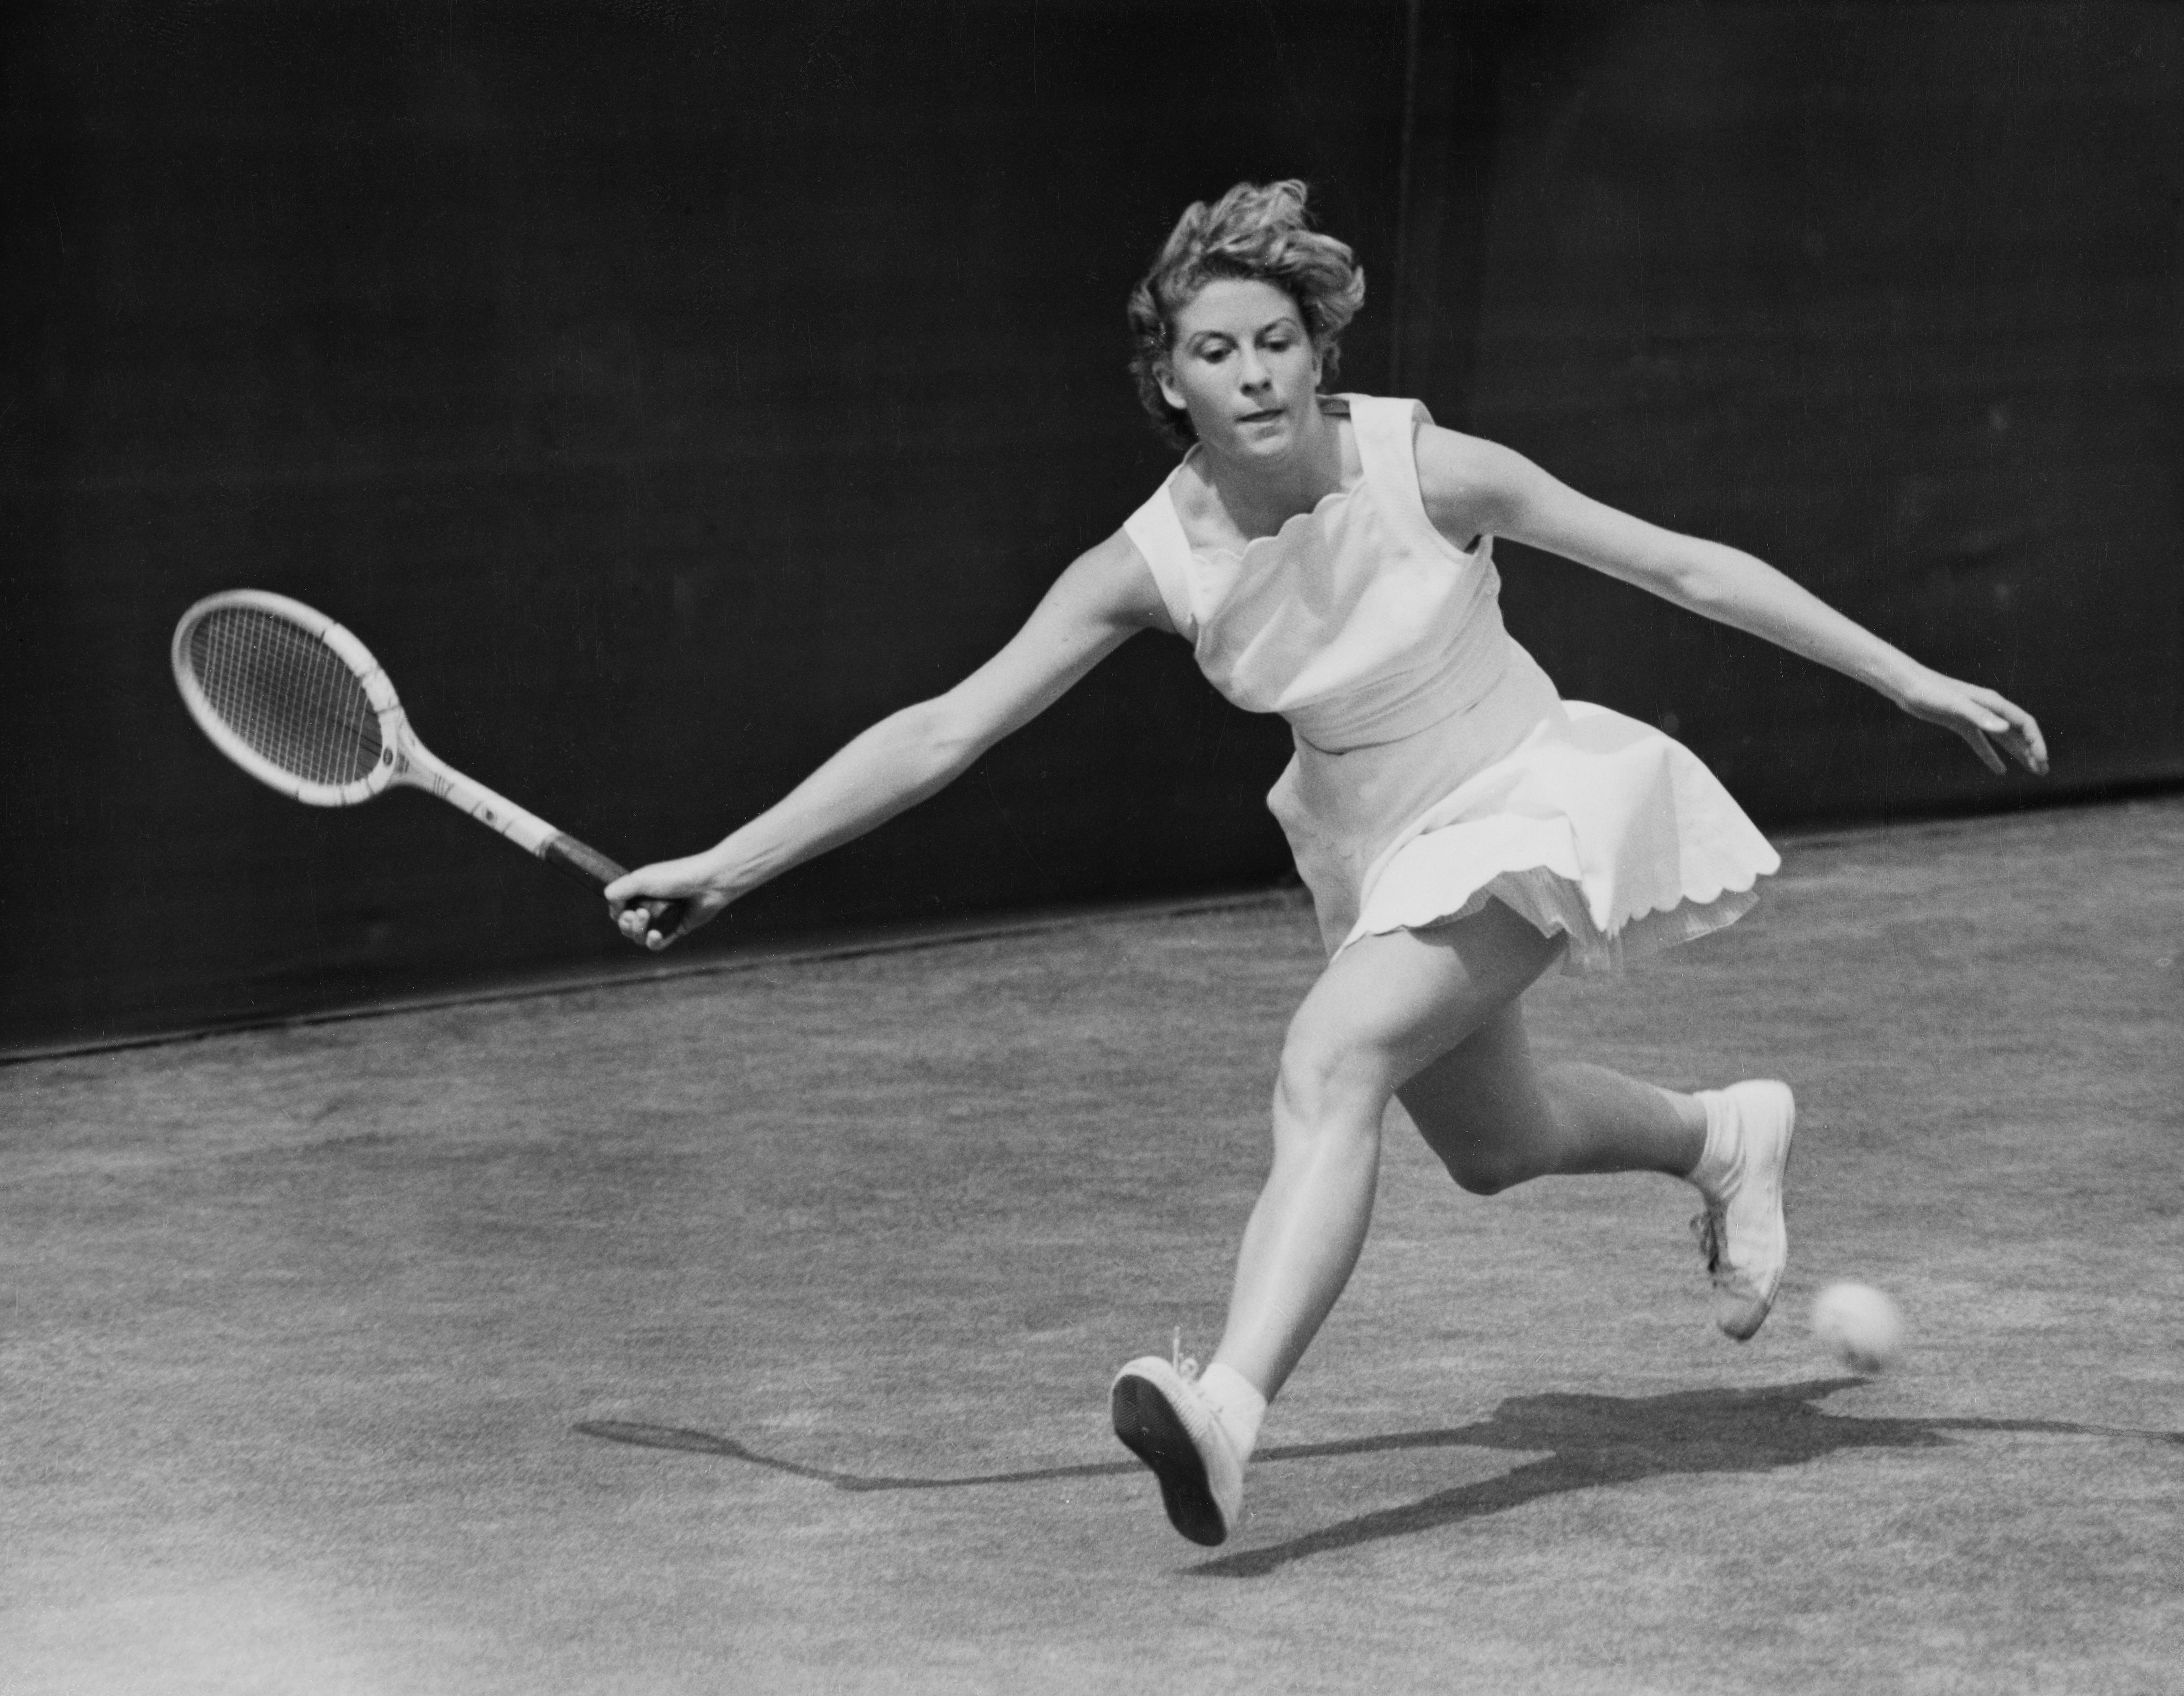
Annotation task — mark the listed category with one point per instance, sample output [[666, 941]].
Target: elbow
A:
[[1698, 590], [1707, 585], [943, 736]]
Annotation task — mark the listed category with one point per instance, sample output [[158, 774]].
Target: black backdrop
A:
[[1890, 295], [666, 391]]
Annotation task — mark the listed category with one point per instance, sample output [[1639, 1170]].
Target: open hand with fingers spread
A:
[[1987, 721]]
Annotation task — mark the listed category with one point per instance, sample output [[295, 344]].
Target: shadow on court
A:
[[1593, 1442]]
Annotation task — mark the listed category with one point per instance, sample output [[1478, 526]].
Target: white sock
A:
[[1718, 1163], [1236, 1402]]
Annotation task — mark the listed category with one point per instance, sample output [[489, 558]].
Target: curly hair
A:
[[1256, 232]]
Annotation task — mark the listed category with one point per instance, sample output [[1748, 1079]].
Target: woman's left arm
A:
[[1471, 486]]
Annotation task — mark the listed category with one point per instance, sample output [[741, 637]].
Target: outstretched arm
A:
[[1471, 486], [1105, 595]]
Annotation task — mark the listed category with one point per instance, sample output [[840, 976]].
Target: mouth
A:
[[1266, 416]]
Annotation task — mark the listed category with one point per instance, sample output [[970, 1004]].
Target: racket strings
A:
[[289, 696]]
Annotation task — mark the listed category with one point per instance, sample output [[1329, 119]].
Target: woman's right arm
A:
[[1106, 596]]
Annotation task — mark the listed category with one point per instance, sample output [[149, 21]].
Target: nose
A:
[[1251, 371]]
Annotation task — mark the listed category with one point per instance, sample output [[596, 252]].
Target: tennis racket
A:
[[301, 705]]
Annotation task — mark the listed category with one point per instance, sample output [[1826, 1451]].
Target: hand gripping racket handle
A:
[[588, 865]]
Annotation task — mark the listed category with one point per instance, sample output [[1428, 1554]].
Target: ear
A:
[[1164, 374]]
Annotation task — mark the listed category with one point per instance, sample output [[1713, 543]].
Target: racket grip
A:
[[593, 869]]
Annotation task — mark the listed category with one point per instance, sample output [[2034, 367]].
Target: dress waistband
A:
[[1341, 728]]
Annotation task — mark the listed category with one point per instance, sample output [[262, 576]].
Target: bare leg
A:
[[1387, 1009], [1495, 1117]]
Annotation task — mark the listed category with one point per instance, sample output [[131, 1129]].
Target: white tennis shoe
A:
[[1741, 1233], [1163, 1419]]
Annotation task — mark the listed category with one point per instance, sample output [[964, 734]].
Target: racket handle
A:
[[589, 866]]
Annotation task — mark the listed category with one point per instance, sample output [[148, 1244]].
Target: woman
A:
[[1460, 827]]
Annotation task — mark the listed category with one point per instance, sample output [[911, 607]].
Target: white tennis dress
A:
[[1436, 767]]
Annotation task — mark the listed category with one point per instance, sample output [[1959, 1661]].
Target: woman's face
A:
[[1243, 368]]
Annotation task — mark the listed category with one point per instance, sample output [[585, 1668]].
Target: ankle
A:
[[1237, 1403], [1717, 1160]]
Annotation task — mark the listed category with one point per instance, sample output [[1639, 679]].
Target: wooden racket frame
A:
[[402, 758]]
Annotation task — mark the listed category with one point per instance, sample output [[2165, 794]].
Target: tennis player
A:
[[1461, 827]]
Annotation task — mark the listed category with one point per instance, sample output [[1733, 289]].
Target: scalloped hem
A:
[[1554, 906]]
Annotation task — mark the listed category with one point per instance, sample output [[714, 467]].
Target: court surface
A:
[[751, 1332]]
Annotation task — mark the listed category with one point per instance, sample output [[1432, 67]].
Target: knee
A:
[[1489, 1169], [1490, 1143], [1329, 1085]]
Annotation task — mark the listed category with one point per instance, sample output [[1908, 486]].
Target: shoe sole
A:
[[1150, 1429], [1746, 1324]]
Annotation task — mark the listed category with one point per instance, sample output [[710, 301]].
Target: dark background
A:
[[664, 391]]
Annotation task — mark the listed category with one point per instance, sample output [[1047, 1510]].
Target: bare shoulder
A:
[[1468, 484], [1471, 485], [1112, 580]]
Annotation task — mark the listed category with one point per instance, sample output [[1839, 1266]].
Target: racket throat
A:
[[423, 771]]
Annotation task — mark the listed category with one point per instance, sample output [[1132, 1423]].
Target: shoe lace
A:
[[1186, 1365], [1707, 1228]]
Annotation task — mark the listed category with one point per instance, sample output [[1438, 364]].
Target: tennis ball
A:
[[1859, 1324]]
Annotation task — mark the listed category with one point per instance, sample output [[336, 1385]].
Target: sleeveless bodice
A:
[[1437, 767], [1358, 622]]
